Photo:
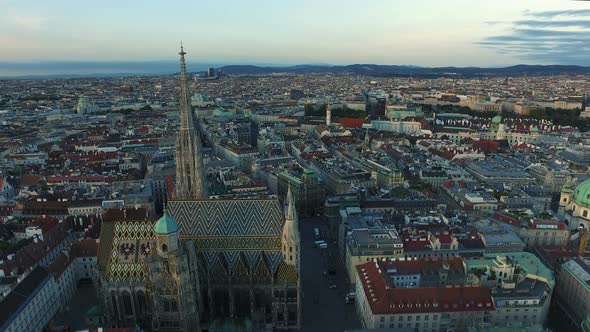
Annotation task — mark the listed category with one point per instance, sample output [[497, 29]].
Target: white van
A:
[[317, 244]]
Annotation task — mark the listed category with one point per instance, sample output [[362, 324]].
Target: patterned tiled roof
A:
[[233, 233], [236, 217], [222, 229], [123, 247]]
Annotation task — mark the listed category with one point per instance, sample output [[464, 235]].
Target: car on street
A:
[[317, 244], [350, 298]]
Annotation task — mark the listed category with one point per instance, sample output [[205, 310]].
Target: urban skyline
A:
[[337, 192]]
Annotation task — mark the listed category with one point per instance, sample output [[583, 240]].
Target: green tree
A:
[[4, 245]]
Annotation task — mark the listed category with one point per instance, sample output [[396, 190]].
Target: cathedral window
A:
[[114, 301], [141, 302], [127, 306]]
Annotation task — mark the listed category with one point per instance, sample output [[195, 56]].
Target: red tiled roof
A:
[[416, 244], [60, 264], [383, 299], [31, 253], [29, 180], [352, 122], [74, 179], [523, 146], [130, 213], [444, 238], [91, 156], [85, 248]]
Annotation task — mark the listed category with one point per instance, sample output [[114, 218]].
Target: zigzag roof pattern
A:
[[236, 217]]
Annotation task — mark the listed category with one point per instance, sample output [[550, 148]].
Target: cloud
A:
[[545, 33], [547, 37], [495, 22], [29, 22], [556, 13], [553, 24]]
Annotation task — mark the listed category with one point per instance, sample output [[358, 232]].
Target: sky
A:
[[285, 32]]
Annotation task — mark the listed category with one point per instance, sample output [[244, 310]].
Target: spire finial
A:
[[290, 204], [182, 52]]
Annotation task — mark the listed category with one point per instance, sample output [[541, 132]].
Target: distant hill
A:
[[413, 71], [63, 69]]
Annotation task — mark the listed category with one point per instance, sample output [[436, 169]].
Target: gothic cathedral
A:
[[206, 264]]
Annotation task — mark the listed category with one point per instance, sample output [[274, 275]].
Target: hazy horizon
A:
[[157, 67]]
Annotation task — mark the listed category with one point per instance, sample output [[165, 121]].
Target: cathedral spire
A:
[[291, 212], [290, 240], [291, 228], [189, 164]]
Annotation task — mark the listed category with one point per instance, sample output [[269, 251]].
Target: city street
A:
[[323, 308]]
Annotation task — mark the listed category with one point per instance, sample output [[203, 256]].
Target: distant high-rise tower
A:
[[211, 72], [189, 163], [375, 104]]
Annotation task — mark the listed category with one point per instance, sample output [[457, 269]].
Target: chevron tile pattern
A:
[[232, 258], [211, 259], [274, 259], [237, 217], [253, 257], [238, 243]]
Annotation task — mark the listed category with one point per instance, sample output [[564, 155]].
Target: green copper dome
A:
[[497, 119], [166, 224], [582, 194]]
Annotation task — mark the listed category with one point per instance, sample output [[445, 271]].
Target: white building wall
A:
[[36, 315], [85, 267]]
